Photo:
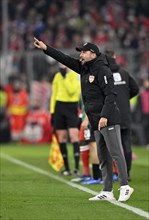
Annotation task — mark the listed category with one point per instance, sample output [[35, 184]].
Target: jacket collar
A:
[[89, 63]]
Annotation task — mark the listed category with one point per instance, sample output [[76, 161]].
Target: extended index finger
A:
[[36, 39]]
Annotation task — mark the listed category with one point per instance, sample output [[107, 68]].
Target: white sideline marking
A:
[[38, 170]]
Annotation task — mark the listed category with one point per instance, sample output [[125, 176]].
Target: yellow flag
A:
[[55, 157]]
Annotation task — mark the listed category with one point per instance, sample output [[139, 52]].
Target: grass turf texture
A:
[[28, 195]]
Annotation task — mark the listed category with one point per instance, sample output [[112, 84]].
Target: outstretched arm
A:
[[68, 61]]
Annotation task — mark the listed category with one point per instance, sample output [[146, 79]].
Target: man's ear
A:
[[94, 55]]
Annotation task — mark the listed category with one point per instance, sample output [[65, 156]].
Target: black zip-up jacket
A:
[[97, 86], [126, 88]]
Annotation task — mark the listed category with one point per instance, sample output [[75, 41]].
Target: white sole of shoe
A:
[[98, 199], [95, 200]]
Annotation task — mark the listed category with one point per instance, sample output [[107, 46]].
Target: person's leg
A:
[[126, 143], [84, 153], [112, 138], [60, 127], [72, 121], [62, 139], [95, 161], [105, 162], [106, 169], [146, 128], [74, 138]]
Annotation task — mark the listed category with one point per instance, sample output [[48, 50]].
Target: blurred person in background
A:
[[138, 136], [65, 97], [3, 98], [37, 128], [126, 88], [9, 86], [88, 148], [143, 105], [42, 90], [18, 104], [5, 135]]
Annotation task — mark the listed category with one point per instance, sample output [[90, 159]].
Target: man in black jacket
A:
[[98, 94], [126, 88]]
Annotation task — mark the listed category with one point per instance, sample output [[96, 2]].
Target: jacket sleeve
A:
[[68, 61], [133, 87], [107, 86]]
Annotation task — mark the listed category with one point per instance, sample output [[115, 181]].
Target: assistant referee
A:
[[66, 92]]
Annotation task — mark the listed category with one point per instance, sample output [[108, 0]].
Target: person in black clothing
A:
[[126, 88], [98, 95]]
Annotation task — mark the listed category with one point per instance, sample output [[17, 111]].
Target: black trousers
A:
[[126, 143]]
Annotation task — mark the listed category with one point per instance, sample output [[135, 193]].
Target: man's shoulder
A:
[[123, 70], [102, 60], [57, 76], [73, 73]]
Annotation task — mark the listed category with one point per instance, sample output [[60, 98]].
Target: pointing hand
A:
[[39, 44]]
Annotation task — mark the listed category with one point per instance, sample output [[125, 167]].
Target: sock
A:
[[64, 153], [76, 150], [84, 152], [96, 171]]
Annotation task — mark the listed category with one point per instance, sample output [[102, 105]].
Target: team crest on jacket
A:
[[91, 78]]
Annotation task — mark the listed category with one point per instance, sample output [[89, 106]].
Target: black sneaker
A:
[[129, 179], [76, 172]]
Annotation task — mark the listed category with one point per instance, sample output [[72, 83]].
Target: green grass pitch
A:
[[30, 189]]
